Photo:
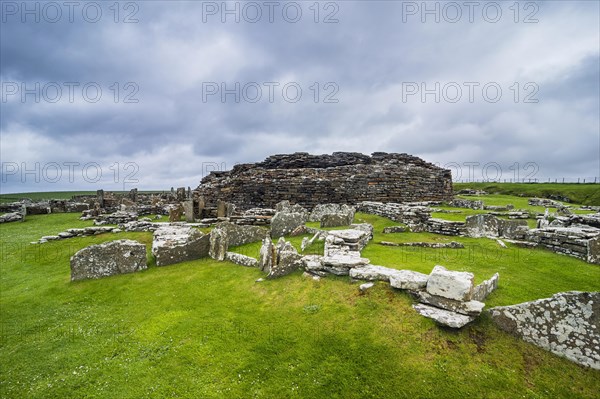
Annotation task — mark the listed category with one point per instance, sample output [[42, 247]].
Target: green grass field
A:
[[585, 194], [206, 329]]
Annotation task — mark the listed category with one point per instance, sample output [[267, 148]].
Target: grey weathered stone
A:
[[444, 317], [545, 202], [267, 255], [240, 259], [411, 215], [450, 284], [117, 217], [573, 240], [285, 206], [288, 260], [283, 223], [354, 239], [188, 210], [469, 308], [372, 272], [175, 213], [568, 324], [312, 263], [481, 291], [219, 243], [11, 217], [408, 280], [366, 286], [174, 244], [481, 225], [242, 234], [107, 259], [465, 203], [333, 215], [335, 220], [395, 229], [513, 229], [593, 250], [340, 263]]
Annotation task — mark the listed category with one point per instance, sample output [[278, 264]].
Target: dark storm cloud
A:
[[367, 58]]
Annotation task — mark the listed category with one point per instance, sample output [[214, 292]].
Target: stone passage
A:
[[568, 324], [344, 178]]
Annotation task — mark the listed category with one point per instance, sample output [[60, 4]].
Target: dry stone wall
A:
[[344, 178], [568, 324]]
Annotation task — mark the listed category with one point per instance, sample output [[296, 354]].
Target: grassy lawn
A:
[[206, 329]]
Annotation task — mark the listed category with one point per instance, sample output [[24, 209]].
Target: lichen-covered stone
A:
[[408, 280], [242, 260], [481, 291], [267, 255], [442, 316], [469, 308], [450, 284], [107, 259], [175, 244], [372, 273], [283, 223], [567, 324], [482, 225]]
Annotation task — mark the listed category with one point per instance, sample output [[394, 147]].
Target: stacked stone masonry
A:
[[344, 178]]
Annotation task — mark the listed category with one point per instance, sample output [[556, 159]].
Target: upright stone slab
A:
[[593, 250], [482, 225], [219, 243], [175, 244], [513, 229], [568, 325], [283, 223], [267, 255], [450, 284], [188, 210], [110, 258]]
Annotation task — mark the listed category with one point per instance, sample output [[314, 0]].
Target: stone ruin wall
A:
[[344, 178]]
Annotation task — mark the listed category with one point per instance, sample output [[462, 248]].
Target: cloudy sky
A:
[[155, 94]]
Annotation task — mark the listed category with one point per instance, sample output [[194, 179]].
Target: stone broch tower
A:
[[343, 177]]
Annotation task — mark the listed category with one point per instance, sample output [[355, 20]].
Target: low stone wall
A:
[[411, 215], [578, 242], [445, 227], [568, 324]]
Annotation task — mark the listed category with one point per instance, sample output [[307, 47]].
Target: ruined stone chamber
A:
[[343, 178]]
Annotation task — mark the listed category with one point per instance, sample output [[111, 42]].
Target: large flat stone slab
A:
[[108, 259], [408, 280], [348, 235], [372, 273], [469, 308], [443, 317], [174, 244], [450, 284]]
